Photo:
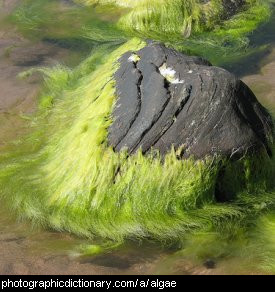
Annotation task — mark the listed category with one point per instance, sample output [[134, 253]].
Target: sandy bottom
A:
[[17, 54], [263, 83]]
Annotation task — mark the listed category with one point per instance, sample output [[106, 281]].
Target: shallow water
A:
[[25, 249]]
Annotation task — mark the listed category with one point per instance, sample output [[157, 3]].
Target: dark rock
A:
[[231, 7], [110, 261], [169, 99], [210, 264]]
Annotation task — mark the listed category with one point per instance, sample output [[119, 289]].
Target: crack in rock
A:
[[166, 99]]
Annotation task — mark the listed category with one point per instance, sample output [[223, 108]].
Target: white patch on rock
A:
[[169, 74], [134, 58]]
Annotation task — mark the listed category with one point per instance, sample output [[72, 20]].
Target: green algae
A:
[[186, 25], [65, 177], [68, 25], [194, 27]]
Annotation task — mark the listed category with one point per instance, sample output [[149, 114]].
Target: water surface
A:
[[26, 249]]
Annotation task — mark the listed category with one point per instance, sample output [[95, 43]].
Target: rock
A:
[[231, 7], [210, 264], [165, 99]]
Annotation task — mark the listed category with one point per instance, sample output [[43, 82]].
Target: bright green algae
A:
[[64, 176]]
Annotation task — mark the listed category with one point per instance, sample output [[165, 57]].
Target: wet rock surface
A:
[[231, 7], [169, 99]]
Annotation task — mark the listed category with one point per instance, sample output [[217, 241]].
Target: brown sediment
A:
[[26, 251], [17, 55], [263, 84], [6, 6]]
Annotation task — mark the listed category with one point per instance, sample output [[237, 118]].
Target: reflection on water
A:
[[26, 249]]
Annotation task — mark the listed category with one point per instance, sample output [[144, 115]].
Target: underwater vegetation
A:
[[72, 26], [193, 26], [214, 29], [64, 176]]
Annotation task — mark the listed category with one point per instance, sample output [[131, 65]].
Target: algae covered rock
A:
[[167, 99], [64, 175]]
